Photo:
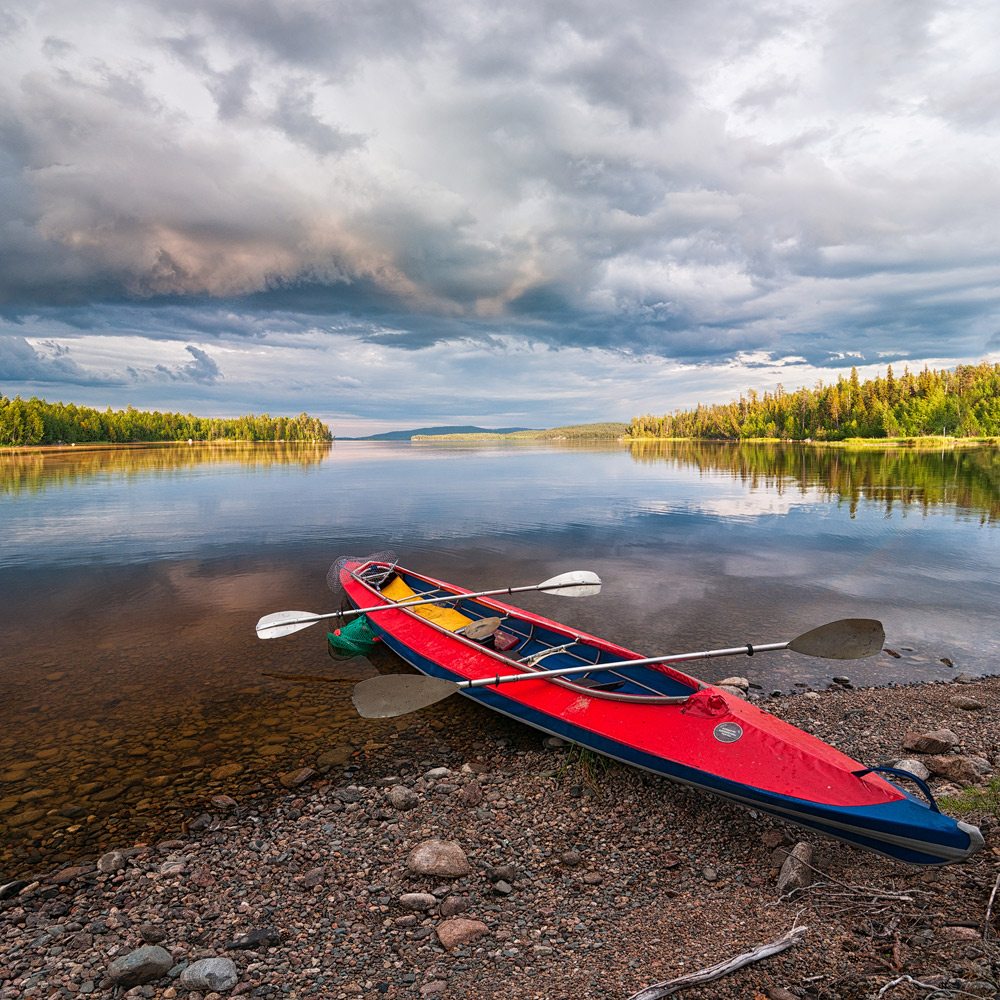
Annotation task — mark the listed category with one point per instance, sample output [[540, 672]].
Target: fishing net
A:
[[356, 638], [383, 565]]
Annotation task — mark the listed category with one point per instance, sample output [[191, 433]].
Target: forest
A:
[[37, 422], [964, 403]]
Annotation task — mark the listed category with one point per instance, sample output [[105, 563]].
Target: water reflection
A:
[[42, 469], [130, 581], [966, 480]]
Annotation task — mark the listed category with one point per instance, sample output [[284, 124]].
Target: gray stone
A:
[[403, 798], [736, 682], [453, 905], [731, 690], [795, 871], [218, 974], [113, 861], [140, 966], [443, 858], [915, 767], [504, 888], [966, 703], [436, 773]]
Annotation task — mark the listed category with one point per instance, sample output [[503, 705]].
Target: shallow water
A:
[[130, 581]]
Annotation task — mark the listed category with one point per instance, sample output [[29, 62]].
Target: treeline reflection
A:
[[964, 479], [36, 471]]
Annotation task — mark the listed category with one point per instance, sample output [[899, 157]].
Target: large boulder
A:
[[961, 770]]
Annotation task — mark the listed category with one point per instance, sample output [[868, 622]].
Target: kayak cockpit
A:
[[532, 645]]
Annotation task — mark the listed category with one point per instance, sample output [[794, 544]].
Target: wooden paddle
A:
[[578, 583], [389, 695]]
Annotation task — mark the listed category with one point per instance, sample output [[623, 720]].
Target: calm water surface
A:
[[130, 582]]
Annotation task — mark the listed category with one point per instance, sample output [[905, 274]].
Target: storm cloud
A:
[[744, 191]]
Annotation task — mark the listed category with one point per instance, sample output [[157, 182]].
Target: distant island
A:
[[37, 422], [964, 403], [576, 431], [433, 432]]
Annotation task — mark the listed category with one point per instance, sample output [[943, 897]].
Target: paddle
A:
[[578, 583], [389, 695]]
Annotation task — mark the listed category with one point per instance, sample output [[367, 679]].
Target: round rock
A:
[[218, 974], [438, 857], [403, 798], [458, 931], [140, 966]]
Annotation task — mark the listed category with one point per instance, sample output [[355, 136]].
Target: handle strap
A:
[[899, 772]]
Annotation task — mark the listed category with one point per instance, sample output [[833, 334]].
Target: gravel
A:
[[582, 881]]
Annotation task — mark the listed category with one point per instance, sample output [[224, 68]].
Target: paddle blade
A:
[[284, 623], [847, 639], [481, 629], [579, 583], [389, 695]]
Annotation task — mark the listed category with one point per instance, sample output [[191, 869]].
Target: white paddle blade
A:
[[579, 583], [847, 639], [284, 623], [389, 695]]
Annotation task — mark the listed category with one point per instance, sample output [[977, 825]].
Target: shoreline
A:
[[586, 878]]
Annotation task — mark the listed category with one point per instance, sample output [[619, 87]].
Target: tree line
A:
[[960, 403], [37, 422]]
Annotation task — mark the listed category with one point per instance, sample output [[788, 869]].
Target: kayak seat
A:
[[593, 684], [448, 618]]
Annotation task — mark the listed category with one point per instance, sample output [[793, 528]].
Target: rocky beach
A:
[[460, 855]]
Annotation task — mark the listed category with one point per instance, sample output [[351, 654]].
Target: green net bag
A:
[[356, 638]]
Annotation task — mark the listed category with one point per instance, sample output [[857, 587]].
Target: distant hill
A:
[[433, 432]]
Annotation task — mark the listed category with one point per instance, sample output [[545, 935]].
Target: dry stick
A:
[[987, 930], [723, 968]]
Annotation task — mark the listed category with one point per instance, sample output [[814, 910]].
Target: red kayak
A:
[[649, 714]]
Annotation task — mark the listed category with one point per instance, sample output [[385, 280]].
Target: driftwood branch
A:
[[987, 929], [723, 968]]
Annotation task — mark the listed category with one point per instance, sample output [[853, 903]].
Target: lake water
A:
[[130, 581]]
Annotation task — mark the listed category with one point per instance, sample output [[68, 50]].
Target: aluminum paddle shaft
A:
[[578, 583], [389, 695]]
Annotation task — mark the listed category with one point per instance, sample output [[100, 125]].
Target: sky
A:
[[401, 213]]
